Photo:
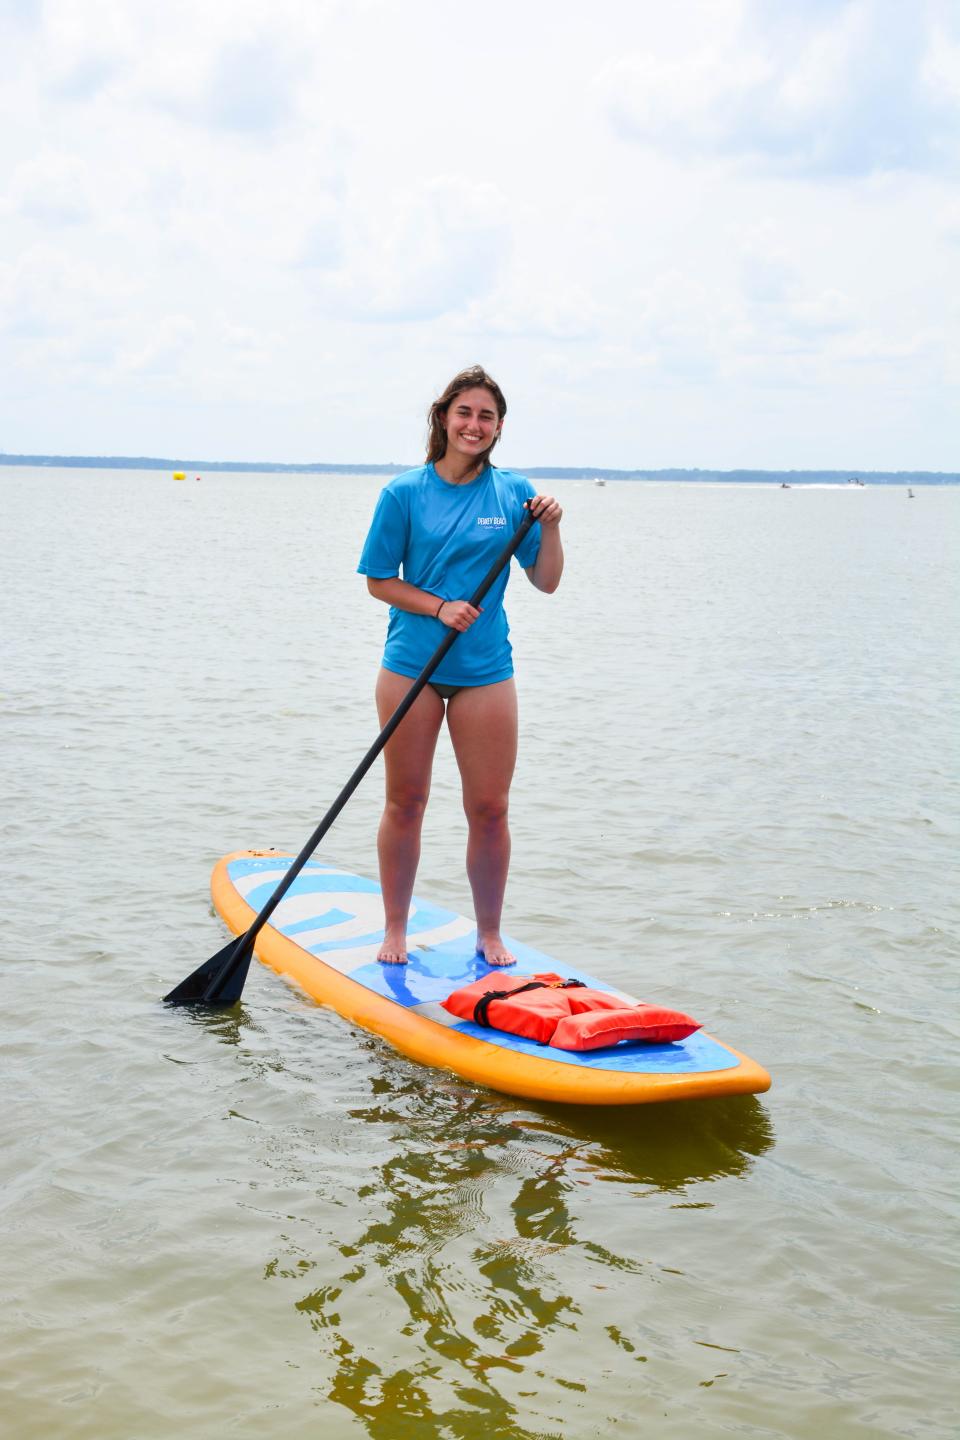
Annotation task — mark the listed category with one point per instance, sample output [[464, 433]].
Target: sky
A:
[[709, 233]]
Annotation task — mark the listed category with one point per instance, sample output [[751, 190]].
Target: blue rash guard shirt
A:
[[444, 538]]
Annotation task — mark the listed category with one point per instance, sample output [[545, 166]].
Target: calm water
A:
[[737, 792]]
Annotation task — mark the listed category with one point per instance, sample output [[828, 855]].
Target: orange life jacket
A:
[[565, 1013]]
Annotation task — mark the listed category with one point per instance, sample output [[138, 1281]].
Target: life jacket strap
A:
[[482, 1006]]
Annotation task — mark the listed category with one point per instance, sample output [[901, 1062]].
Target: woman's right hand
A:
[[458, 614]]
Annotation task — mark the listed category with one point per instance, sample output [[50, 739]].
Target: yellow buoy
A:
[[179, 475]]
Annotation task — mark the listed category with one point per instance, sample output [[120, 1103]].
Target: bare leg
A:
[[408, 758], [483, 728]]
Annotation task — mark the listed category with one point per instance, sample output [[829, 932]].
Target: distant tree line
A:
[[557, 472]]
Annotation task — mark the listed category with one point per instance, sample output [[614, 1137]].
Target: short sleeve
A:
[[386, 540]]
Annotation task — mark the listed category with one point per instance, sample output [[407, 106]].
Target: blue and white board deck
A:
[[325, 933]]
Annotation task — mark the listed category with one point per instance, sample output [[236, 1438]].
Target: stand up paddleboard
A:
[[325, 934]]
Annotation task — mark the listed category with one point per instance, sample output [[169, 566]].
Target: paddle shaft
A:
[[419, 684]]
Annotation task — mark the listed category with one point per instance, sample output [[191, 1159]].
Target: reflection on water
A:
[[478, 1242], [672, 1145], [226, 1026]]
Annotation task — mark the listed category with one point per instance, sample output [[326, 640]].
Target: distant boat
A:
[[179, 475], [598, 481]]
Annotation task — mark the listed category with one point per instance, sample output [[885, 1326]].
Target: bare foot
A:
[[393, 951], [493, 950]]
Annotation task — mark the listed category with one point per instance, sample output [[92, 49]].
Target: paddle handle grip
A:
[[423, 679]]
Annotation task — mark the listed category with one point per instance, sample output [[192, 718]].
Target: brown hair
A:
[[471, 379]]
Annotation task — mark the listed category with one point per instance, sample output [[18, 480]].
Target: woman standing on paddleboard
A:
[[443, 525]]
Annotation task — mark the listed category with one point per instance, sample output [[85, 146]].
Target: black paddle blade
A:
[[219, 981]]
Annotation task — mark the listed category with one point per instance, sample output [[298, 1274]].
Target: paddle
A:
[[219, 981]]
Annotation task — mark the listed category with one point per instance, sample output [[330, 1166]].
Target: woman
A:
[[443, 525]]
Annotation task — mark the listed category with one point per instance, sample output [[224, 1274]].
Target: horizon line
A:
[[152, 462]]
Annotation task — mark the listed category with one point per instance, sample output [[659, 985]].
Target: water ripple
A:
[[737, 791]]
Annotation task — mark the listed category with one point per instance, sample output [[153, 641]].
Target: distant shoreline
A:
[[558, 472]]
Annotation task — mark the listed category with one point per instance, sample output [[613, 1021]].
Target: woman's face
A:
[[472, 423]]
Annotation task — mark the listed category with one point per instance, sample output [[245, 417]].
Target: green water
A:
[[737, 793]]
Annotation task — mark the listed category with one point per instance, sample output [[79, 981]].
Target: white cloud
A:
[[275, 231], [780, 303], [767, 279], [874, 347], [941, 65], [539, 305], [844, 90], [247, 86], [161, 355], [426, 252], [231, 67], [48, 292], [82, 48], [828, 312], [49, 188]]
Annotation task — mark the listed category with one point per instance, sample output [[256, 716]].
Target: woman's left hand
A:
[[546, 509]]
